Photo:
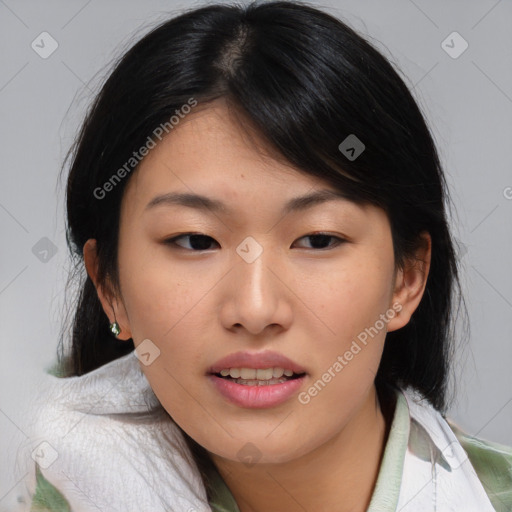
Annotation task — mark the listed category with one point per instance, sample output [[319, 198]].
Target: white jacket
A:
[[105, 442]]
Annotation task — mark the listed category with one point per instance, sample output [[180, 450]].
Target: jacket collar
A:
[[437, 473]]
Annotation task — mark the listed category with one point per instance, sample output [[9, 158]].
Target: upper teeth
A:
[[252, 373]]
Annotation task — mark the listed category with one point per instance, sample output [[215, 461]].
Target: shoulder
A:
[[488, 476], [103, 436], [493, 465]]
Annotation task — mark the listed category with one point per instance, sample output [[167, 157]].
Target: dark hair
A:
[[306, 81]]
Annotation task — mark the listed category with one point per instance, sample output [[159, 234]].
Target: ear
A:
[[410, 282], [111, 304]]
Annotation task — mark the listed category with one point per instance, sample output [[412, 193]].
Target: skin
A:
[[305, 302]]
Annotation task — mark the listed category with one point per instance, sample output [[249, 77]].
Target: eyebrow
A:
[[203, 203]]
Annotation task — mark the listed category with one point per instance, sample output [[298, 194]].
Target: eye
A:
[[197, 242], [322, 239]]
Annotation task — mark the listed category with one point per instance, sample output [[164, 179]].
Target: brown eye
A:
[[321, 240], [197, 242]]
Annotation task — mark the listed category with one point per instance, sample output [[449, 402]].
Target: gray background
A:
[[467, 100]]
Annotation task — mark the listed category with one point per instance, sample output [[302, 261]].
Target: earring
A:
[[115, 329]]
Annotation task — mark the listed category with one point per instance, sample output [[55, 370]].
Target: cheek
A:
[[353, 297], [168, 306], [351, 306], [171, 314], [158, 294], [168, 311]]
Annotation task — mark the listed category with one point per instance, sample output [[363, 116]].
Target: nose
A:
[[256, 296]]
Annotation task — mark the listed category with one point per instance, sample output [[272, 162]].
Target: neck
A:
[[339, 475]]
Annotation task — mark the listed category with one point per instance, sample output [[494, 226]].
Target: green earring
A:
[[115, 329]]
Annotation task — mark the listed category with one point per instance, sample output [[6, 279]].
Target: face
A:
[[306, 283]]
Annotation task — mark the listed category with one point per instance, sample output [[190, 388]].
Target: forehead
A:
[[211, 152]]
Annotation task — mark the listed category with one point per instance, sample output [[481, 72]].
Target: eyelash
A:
[[172, 241]]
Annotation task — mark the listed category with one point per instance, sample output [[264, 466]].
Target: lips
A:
[[257, 397], [261, 360]]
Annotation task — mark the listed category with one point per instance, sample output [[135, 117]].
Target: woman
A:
[[265, 322]]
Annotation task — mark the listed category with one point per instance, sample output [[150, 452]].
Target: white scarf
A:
[[105, 442]]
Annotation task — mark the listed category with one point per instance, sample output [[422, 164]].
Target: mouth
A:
[[257, 380], [257, 393], [258, 376]]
